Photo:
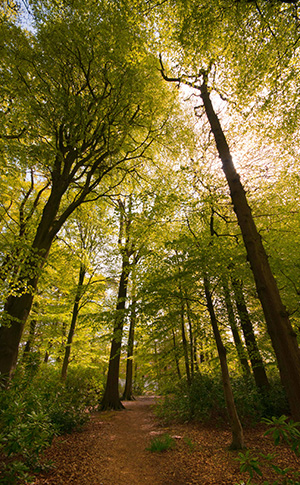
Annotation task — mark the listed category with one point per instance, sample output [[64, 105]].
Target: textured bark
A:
[[16, 311], [257, 364], [75, 312], [111, 398], [236, 427], [235, 331], [283, 337]]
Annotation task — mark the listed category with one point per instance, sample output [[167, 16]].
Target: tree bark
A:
[[188, 313], [197, 369], [176, 354], [236, 427], [127, 395], [283, 337], [235, 331], [111, 398], [75, 312], [17, 306], [184, 344], [257, 364]]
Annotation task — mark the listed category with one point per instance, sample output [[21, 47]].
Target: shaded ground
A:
[[111, 450]]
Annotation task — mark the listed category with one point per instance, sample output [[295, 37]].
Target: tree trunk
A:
[[75, 312], [257, 364], [185, 345], [17, 306], [176, 354], [27, 348], [195, 355], [235, 331], [188, 312], [127, 395], [111, 398], [236, 427], [283, 337]]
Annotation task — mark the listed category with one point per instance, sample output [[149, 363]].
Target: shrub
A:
[[204, 400], [34, 410], [24, 435], [282, 430], [161, 443]]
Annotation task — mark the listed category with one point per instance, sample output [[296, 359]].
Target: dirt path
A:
[[112, 450]]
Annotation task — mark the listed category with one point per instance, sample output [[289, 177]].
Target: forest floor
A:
[[112, 450]]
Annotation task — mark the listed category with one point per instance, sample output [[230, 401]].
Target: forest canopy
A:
[[149, 201]]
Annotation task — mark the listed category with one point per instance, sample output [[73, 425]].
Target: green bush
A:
[[34, 410], [26, 430], [204, 400]]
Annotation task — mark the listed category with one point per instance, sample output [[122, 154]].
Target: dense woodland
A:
[[149, 212]]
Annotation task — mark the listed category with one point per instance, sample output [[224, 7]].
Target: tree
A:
[[111, 398], [128, 394], [89, 241], [235, 331], [283, 337], [257, 364], [236, 428], [87, 105]]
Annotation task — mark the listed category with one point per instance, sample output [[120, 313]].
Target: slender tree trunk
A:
[[235, 331], [75, 312], [111, 398], [236, 427], [176, 354], [184, 344], [188, 313], [257, 364], [127, 395], [283, 337], [27, 348], [195, 355]]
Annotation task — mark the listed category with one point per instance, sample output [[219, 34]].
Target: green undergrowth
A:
[[36, 408], [161, 443], [282, 430], [204, 401]]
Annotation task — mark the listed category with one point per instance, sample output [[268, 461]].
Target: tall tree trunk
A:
[[111, 398], [27, 348], [127, 395], [176, 354], [235, 331], [188, 313], [195, 355], [236, 427], [184, 344], [75, 312], [17, 306], [283, 337], [257, 364]]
